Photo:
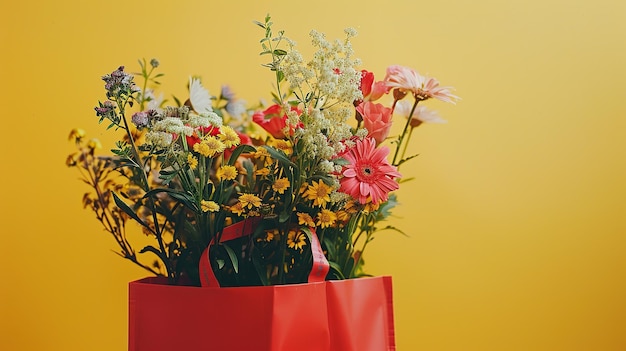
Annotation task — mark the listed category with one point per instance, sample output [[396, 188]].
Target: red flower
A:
[[376, 118], [273, 120], [194, 139], [369, 174], [372, 90]]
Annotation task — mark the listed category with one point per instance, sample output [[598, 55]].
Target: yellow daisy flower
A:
[[305, 219], [281, 144], [228, 136], [202, 149], [209, 206], [192, 161], [343, 216], [226, 173], [326, 218], [296, 240], [370, 207], [76, 134], [262, 172], [249, 200], [269, 235], [208, 147], [280, 185], [94, 144], [237, 209], [261, 154], [318, 192]]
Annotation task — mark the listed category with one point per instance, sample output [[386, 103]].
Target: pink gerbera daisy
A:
[[368, 174], [423, 88]]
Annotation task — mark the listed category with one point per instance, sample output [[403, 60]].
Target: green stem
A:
[[406, 144], [404, 131], [151, 203]]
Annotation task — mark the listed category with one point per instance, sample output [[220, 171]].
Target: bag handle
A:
[[246, 227]]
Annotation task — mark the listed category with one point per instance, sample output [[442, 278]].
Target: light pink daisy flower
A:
[[368, 174], [408, 80], [420, 115]]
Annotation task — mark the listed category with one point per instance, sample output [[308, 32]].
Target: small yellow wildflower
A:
[[371, 207], [228, 136], [343, 216], [226, 173], [280, 185], [318, 192], [269, 235], [237, 209], [262, 154], [215, 145], [76, 134], [296, 240], [209, 206], [192, 161], [249, 200], [326, 218], [94, 144], [71, 160], [202, 149], [305, 219], [209, 146], [351, 207], [281, 144], [262, 172]]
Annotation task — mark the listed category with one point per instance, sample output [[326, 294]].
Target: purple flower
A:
[[105, 110], [119, 83], [140, 119]]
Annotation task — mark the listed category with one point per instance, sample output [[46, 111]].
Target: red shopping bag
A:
[[343, 315]]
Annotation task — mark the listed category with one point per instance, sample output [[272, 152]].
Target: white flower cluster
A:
[[327, 86]]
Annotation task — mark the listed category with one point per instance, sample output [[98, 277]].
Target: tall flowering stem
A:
[[122, 90], [402, 136]]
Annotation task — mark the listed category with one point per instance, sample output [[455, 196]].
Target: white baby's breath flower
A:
[[159, 139], [195, 120], [187, 131], [170, 124], [326, 166], [361, 133], [350, 32], [214, 119], [338, 197]]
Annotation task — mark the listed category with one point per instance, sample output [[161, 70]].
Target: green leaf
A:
[[232, 256], [280, 156], [183, 198], [334, 267], [279, 52], [395, 229], [241, 149], [249, 167], [330, 246], [259, 267], [124, 207]]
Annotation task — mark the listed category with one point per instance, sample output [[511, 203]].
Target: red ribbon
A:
[[246, 227]]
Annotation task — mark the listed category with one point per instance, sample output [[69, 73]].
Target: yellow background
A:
[[517, 215]]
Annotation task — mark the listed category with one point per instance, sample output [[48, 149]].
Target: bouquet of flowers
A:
[[316, 167]]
